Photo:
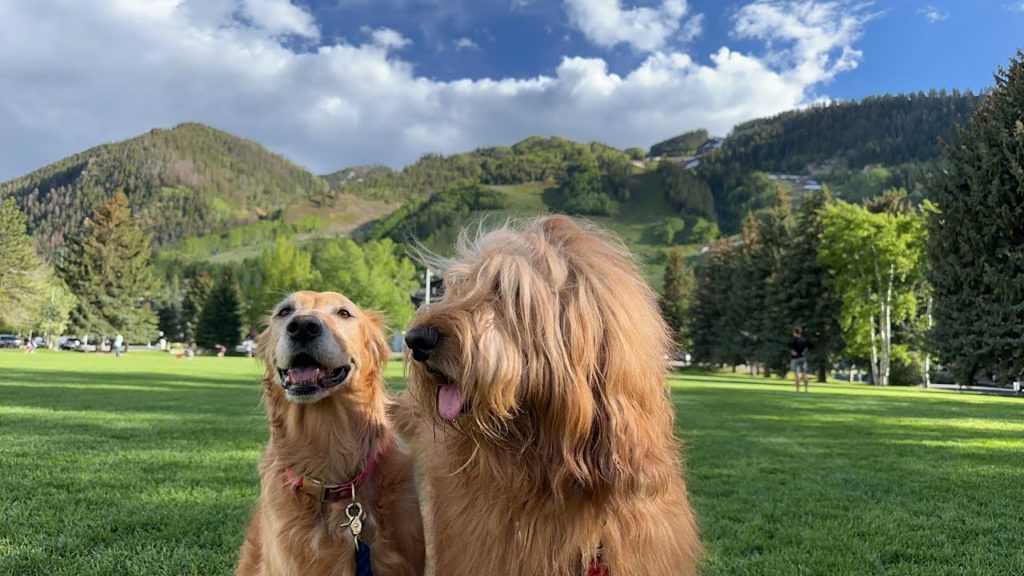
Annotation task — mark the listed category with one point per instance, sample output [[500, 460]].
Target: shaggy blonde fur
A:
[[331, 438], [565, 442]]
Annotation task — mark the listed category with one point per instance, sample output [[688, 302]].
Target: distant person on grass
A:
[[118, 342], [798, 348]]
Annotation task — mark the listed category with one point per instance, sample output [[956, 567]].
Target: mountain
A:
[[187, 181], [209, 195], [535, 159], [845, 136]]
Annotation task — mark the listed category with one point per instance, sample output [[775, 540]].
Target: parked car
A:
[[10, 341], [70, 343]]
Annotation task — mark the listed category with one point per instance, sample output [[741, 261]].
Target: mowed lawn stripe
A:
[[147, 465], [852, 479]]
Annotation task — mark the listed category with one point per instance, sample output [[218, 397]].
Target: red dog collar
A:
[[334, 492]]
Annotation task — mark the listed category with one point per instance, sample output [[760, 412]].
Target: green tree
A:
[[976, 237], [220, 321], [169, 320], [703, 231], [197, 290], [891, 201], [372, 275], [683, 145], [806, 293], [866, 184], [283, 269], [53, 308], [670, 231], [107, 267], [686, 191], [876, 261], [717, 309], [21, 271], [766, 324], [679, 286], [581, 190]]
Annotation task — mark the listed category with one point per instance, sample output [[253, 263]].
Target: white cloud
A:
[[1017, 6], [121, 67], [606, 23], [812, 41], [386, 38], [465, 43], [932, 14], [280, 17]]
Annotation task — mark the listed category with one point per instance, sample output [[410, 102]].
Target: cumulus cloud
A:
[[386, 38], [122, 67], [280, 17], [932, 14], [606, 23], [465, 43], [811, 41]]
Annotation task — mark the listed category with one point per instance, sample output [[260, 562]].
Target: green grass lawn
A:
[[147, 465]]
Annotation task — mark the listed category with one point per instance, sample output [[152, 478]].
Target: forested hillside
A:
[[224, 215], [535, 159], [888, 130], [187, 181], [204, 194]]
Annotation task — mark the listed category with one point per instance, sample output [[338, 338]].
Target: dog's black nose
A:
[[304, 329], [422, 340]]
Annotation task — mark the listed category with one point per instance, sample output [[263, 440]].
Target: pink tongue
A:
[[304, 375], [449, 401]]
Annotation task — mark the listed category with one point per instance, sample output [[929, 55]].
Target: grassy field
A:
[[147, 465]]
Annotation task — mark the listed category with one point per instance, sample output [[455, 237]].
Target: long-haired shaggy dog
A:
[[544, 413], [330, 445]]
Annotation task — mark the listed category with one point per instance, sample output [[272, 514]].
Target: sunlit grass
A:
[[147, 465]]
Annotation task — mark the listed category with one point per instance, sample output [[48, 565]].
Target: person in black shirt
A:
[[798, 348]]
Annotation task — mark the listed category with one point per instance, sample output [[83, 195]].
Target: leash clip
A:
[[355, 514]]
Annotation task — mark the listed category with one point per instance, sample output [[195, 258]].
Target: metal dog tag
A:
[[355, 514]]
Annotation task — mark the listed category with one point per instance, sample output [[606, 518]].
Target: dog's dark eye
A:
[[285, 311], [344, 313]]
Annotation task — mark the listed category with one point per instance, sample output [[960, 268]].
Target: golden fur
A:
[[290, 533], [565, 442]]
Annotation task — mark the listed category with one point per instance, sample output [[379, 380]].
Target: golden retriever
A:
[[539, 395], [330, 446]]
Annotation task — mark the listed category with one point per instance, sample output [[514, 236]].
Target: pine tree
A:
[[220, 321], [169, 320], [766, 325], [21, 270], [196, 294], [808, 299], [108, 268], [679, 285], [709, 328], [976, 237]]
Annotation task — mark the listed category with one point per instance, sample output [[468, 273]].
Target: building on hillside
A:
[[709, 145]]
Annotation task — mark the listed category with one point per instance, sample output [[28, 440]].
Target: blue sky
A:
[[907, 45], [335, 83]]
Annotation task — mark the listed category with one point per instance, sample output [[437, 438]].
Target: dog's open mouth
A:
[[307, 376], [450, 401]]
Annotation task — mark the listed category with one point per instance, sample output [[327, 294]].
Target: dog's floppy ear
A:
[[375, 341]]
